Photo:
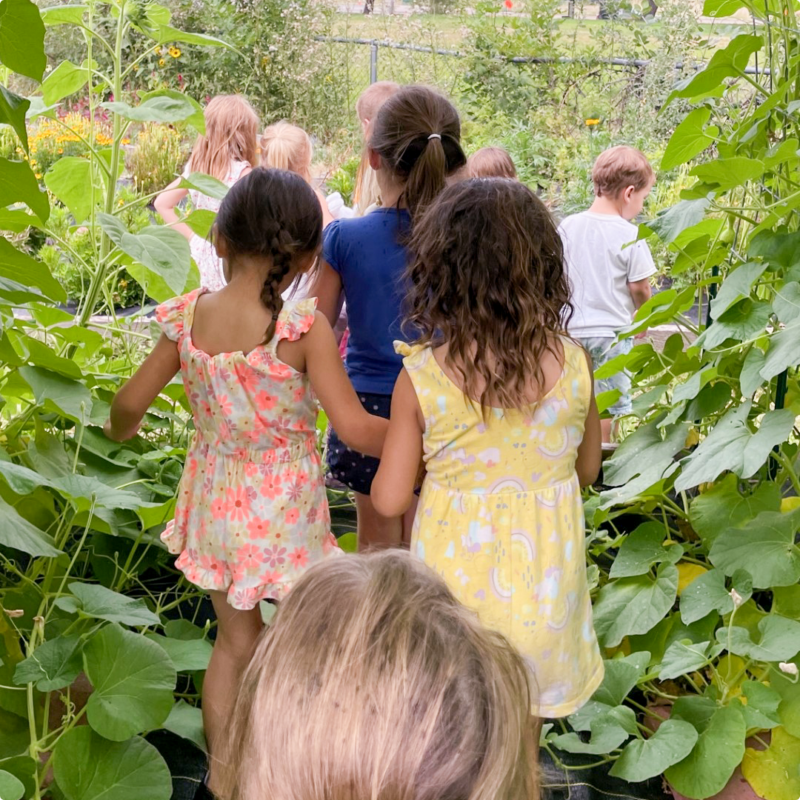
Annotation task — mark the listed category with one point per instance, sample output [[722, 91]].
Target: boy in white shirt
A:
[[609, 280]]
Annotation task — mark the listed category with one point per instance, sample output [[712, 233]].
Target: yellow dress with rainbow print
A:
[[500, 518]]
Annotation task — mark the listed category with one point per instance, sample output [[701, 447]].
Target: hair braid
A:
[[282, 249]]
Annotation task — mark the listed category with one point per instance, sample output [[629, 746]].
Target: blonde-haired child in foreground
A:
[[374, 682], [227, 152]]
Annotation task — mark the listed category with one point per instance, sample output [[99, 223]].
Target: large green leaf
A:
[[156, 287], [761, 708], [644, 759], [784, 351], [12, 112], [205, 184], [166, 33], [719, 750], [744, 320], [778, 639], [64, 15], [162, 250], [683, 657], [97, 601], [85, 492], [70, 179], [705, 594], [726, 63], [196, 120], [10, 787], [621, 675], [173, 107], [22, 269], [609, 731], [750, 380], [736, 286], [787, 303], [57, 393], [729, 172], [87, 767], [765, 548], [22, 38], [186, 656], [133, 680], [66, 79], [688, 139], [779, 250], [725, 506], [642, 549], [53, 665], [634, 605], [670, 223], [16, 532], [731, 446], [773, 772], [18, 184], [187, 721]]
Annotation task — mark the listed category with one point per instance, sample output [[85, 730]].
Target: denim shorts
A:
[[355, 470], [602, 349]]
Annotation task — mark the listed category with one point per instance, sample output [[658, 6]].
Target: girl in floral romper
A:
[[252, 512]]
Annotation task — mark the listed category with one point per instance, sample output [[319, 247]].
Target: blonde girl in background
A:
[[499, 403], [252, 512], [374, 682], [285, 146], [367, 193], [228, 151]]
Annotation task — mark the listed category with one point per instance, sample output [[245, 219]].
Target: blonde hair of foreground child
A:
[[374, 683]]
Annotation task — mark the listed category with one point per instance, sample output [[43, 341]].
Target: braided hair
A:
[[271, 213]]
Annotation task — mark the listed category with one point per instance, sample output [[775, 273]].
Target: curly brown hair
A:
[[488, 279]]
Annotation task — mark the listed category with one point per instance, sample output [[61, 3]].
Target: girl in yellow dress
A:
[[498, 402]]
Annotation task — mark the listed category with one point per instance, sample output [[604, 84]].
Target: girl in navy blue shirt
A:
[[413, 147]]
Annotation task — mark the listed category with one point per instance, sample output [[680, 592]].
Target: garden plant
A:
[[691, 540]]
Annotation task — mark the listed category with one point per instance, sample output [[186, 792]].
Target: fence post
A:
[[373, 63]]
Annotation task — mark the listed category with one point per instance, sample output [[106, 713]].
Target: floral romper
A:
[[252, 511], [500, 518]]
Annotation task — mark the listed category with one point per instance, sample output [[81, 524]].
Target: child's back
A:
[[505, 413]]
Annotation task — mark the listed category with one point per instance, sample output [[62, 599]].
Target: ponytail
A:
[[417, 133]]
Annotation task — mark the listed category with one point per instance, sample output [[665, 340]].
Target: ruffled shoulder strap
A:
[[175, 316], [295, 319], [415, 356]]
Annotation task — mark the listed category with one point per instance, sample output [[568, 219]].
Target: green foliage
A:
[[158, 152]]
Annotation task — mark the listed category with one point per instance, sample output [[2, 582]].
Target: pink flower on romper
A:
[[258, 528], [219, 508], [225, 405], [299, 557], [292, 515], [271, 486], [299, 394], [248, 378], [275, 555], [265, 401], [238, 504], [250, 556]]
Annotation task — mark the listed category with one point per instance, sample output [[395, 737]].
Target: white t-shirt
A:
[[600, 268]]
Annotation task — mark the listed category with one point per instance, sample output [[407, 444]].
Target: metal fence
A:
[[589, 61]]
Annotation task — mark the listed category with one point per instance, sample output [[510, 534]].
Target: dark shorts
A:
[[353, 469]]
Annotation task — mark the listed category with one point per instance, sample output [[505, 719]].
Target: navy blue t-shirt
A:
[[367, 254]]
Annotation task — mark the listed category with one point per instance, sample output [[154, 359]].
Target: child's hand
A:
[[117, 436]]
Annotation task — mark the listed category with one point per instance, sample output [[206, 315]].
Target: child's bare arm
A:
[[327, 288], [393, 487], [359, 430], [590, 455], [135, 397], [641, 292], [165, 206]]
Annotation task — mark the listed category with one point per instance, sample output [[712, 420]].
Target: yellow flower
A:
[[38, 176], [161, 62], [592, 121], [33, 162], [60, 150], [120, 203], [174, 52], [158, 50]]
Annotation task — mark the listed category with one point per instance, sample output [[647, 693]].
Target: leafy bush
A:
[[158, 153]]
